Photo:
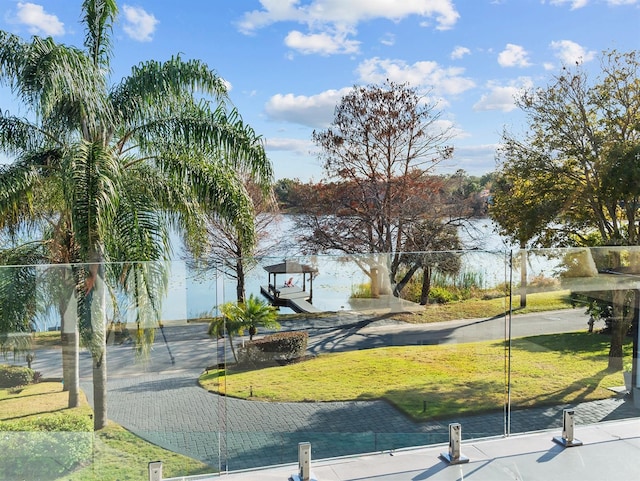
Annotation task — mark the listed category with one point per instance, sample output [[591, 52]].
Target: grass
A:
[[429, 382], [121, 455], [485, 308], [117, 453]]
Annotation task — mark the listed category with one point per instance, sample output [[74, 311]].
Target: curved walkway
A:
[[164, 404], [171, 411]]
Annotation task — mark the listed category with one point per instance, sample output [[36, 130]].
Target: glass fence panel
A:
[[566, 305], [377, 373], [353, 363], [110, 347]]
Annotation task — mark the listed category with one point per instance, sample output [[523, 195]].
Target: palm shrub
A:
[[257, 313], [238, 317]]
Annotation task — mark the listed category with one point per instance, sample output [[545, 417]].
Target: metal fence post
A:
[[454, 456], [155, 471], [304, 464], [568, 426]]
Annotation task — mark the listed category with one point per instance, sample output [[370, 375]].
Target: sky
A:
[[289, 62]]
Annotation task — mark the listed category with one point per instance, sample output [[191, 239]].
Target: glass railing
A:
[[499, 342]]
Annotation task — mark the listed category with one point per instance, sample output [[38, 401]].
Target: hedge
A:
[[281, 346], [44, 448], [13, 376]]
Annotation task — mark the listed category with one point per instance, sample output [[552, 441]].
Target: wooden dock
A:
[[294, 298]]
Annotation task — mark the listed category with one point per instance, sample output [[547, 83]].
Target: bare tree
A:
[[223, 248], [379, 155]]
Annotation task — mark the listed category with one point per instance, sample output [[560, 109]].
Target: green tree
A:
[[114, 166], [571, 179]]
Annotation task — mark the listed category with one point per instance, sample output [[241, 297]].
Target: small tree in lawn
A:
[[257, 313], [248, 315]]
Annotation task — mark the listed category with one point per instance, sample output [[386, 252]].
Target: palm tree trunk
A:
[[240, 280], [523, 277], [94, 323], [100, 390], [70, 339], [619, 328], [70, 364]]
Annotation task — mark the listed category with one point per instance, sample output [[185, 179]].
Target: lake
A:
[[193, 294], [337, 276]]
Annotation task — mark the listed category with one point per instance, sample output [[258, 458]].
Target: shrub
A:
[[45, 448], [13, 376], [361, 291], [282, 346], [441, 295]]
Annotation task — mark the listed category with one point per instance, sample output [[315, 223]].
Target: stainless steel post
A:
[[568, 427], [454, 456], [155, 471]]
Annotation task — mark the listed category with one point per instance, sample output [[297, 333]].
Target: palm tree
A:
[[257, 313], [248, 315], [114, 167]]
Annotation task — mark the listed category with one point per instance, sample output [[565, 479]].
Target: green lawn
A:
[[116, 454], [449, 379], [485, 308]]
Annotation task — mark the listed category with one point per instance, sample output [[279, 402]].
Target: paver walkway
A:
[[162, 402], [172, 411]]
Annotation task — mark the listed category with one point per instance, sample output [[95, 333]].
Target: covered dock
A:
[[282, 293]]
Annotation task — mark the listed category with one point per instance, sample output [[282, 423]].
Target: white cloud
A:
[[459, 52], [502, 97], [443, 81], [321, 43], [388, 39], [301, 147], [315, 111], [575, 4], [352, 12], [513, 56], [473, 159], [139, 24], [571, 53], [37, 20]]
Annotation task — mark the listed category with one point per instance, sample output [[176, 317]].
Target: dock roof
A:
[[289, 267]]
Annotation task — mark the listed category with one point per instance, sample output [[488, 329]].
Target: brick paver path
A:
[[170, 410]]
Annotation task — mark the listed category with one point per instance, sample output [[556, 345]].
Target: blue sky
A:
[[288, 62]]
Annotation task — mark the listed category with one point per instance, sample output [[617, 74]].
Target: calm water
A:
[[336, 277], [191, 294]]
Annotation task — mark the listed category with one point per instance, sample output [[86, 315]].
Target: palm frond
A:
[[92, 189], [19, 289], [63, 86], [220, 134], [12, 50], [99, 16], [17, 183], [155, 88], [19, 135]]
